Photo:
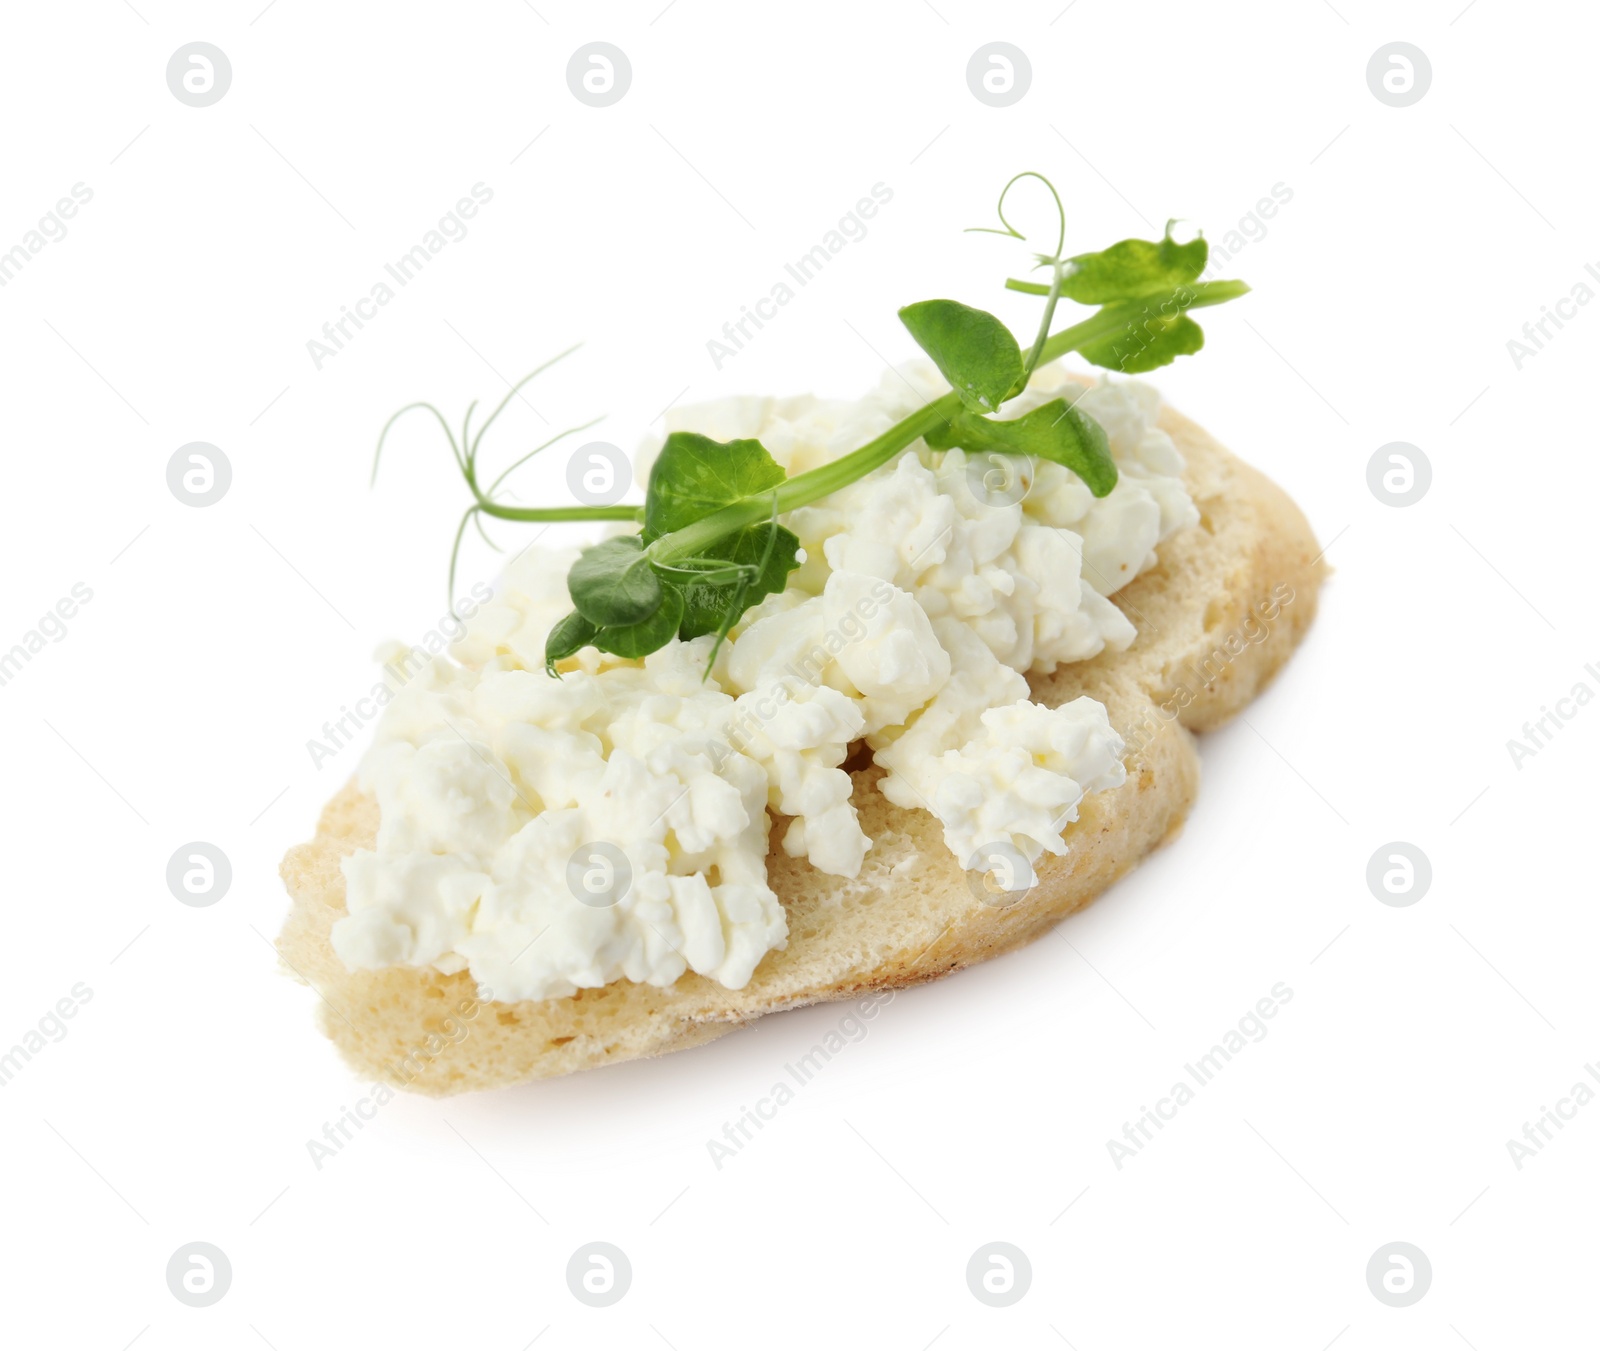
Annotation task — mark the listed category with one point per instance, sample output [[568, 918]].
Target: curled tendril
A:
[[486, 505], [465, 454], [1058, 268], [1012, 231], [449, 436]]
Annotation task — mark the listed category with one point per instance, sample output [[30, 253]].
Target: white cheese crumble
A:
[[553, 835], [489, 783]]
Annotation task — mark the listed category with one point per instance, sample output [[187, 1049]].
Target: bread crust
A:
[[1217, 617]]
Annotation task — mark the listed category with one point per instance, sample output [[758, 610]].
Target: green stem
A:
[[1052, 295], [620, 512], [805, 488], [817, 483]]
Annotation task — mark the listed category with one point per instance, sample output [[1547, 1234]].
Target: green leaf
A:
[[639, 640], [613, 583], [567, 639], [707, 604], [1055, 431], [695, 476], [973, 350], [1133, 268], [1154, 341]]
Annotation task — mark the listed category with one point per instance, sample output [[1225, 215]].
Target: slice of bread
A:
[[1216, 618]]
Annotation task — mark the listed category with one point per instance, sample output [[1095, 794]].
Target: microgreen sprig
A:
[[484, 502], [710, 543]]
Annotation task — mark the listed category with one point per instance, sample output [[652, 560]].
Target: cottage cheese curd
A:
[[493, 783], [551, 835]]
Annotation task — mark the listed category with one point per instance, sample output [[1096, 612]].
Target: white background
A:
[[178, 706]]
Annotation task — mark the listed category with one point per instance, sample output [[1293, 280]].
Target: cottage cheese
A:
[[552, 835], [492, 783]]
